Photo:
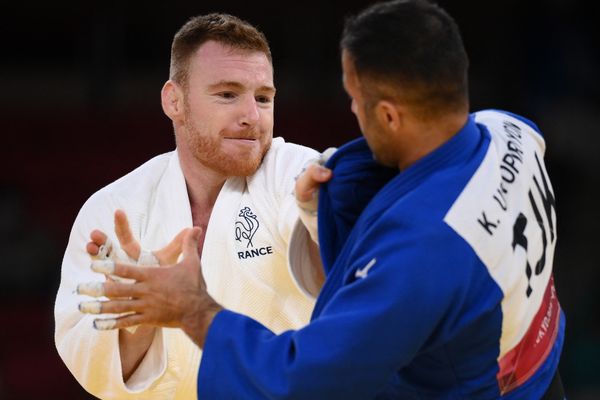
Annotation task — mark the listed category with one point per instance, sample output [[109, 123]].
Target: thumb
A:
[[190, 243]]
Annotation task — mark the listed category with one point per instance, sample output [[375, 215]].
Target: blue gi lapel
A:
[[362, 190]]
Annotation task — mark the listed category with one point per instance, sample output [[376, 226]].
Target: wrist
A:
[[197, 323]]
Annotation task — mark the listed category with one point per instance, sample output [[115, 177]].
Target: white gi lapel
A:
[[216, 257], [169, 210]]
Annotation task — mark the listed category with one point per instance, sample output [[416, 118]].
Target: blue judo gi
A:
[[439, 282]]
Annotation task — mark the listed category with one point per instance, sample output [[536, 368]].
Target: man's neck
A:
[[203, 187], [203, 184]]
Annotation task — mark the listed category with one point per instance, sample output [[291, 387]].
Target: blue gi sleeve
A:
[[377, 321]]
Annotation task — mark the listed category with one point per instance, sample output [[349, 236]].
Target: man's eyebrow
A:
[[239, 86], [267, 89], [226, 84]]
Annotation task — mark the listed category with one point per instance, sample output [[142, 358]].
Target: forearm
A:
[[133, 347]]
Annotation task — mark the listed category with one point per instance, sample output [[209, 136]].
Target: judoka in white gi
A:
[[227, 176]]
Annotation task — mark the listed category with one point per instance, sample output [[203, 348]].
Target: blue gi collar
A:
[[358, 178]]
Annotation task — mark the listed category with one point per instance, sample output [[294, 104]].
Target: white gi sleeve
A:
[[305, 228], [283, 164]]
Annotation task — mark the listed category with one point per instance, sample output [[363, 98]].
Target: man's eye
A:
[[263, 99], [227, 95]]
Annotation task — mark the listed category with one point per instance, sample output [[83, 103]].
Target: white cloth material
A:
[[147, 258], [244, 263], [301, 267], [308, 209]]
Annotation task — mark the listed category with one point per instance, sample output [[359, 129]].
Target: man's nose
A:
[[249, 113]]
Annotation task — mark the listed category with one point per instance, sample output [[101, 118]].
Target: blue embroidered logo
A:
[[246, 227]]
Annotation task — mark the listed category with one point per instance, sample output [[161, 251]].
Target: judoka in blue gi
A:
[[437, 234]]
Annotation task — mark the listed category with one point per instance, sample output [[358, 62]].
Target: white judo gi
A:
[[244, 261]]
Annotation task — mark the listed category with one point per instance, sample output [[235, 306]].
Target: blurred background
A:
[[80, 107]]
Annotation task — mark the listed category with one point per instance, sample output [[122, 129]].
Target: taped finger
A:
[[104, 250], [121, 256], [148, 259], [109, 307], [105, 324], [127, 321], [94, 289], [90, 307]]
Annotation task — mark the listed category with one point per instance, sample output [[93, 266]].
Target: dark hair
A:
[[222, 28], [409, 49]]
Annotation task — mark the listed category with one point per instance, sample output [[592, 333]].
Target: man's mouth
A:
[[244, 139]]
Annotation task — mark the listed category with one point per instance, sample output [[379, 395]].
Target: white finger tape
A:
[[94, 289], [148, 259], [90, 307], [326, 155], [105, 249], [105, 267], [119, 255], [105, 324]]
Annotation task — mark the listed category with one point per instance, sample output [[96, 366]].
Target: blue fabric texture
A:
[[408, 310]]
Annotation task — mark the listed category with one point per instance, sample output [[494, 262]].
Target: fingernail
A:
[[106, 267], [324, 172], [90, 307], [94, 289], [105, 324]]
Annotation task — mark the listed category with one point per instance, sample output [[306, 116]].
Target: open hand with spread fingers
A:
[[134, 341], [172, 296], [101, 247]]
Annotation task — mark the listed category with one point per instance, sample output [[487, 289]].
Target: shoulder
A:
[[281, 164], [424, 254], [424, 224], [495, 117], [284, 153], [134, 188], [141, 177], [413, 229], [499, 113]]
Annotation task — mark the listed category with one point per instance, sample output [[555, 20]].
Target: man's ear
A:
[[389, 115], [172, 100]]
